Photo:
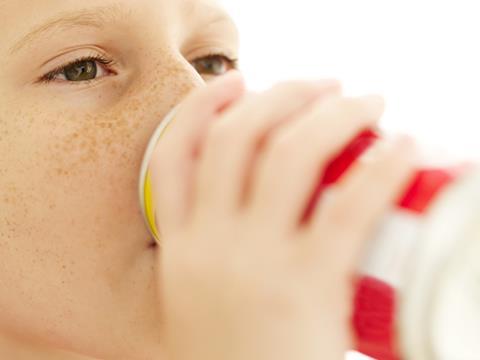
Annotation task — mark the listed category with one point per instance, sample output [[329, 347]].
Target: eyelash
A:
[[233, 62], [108, 63], [50, 76]]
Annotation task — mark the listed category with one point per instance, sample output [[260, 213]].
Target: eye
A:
[[80, 70], [214, 64]]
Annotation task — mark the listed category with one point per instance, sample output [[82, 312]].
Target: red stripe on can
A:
[[337, 167], [374, 319], [419, 194], [374, 315], [426, 184]]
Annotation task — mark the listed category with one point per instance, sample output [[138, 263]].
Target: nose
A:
[[182, 79]]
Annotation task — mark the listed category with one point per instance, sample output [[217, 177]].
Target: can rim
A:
[[456, 302], [458, 203], [159, 131]]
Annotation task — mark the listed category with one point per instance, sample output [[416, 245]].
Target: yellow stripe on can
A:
[[147, 203], [150, 206]]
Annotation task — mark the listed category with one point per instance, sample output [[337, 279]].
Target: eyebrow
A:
[[92, 17]]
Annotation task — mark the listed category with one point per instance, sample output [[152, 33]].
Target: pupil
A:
[[82, 71]]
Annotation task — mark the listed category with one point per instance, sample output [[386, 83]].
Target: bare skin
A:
[[242, 277], [78, 268], [80, 276]]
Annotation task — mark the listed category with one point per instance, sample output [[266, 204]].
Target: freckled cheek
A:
[[90, 162], [102, 152]]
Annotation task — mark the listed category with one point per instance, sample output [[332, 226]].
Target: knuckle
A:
[[235, 133], [349, 215], [282, 147], [341, 210], [386, 168], [391, 178], [220, 134], [391, 168], [377, 175]]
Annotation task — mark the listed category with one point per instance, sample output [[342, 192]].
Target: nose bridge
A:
[[188, 78], [177, 79]]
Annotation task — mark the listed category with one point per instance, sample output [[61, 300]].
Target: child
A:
[[82, 87]]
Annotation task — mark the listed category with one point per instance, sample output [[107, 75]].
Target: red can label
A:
[[375, 304]]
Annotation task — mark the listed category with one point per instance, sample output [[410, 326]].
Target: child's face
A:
[[76, 261]]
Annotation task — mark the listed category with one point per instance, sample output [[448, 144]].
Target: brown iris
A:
[[81, 71], [213, 65]]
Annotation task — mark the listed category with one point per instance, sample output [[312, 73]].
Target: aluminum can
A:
[[417, 293], [147, 204]]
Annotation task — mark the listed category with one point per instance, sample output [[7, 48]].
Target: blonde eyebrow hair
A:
[[92, 17]]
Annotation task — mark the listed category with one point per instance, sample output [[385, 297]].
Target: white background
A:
[[422, 56]]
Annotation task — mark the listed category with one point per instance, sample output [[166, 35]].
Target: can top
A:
[[440, 309], [145, 191], [456, 309]]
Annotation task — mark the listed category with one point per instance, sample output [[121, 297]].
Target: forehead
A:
[[25, 16], [31, 9]]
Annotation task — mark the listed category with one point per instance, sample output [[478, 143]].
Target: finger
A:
[[172, 160], [359, 200], [290, 166], [231, 143]]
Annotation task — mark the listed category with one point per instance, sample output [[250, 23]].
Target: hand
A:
[[240, 278]]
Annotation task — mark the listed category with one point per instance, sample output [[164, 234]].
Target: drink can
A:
[[147, 204], [417, 294]]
